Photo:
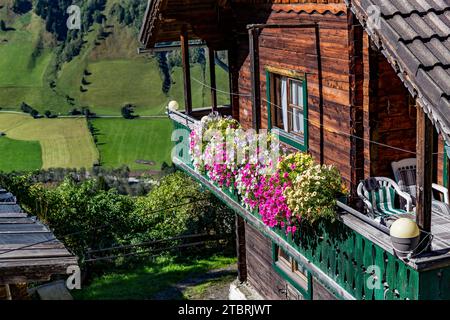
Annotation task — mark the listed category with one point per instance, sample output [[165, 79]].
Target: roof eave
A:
[[434, 113], [151, 22]]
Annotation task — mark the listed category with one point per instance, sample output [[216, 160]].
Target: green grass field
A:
[[16, 155], [118, 75], [65, 143], [145, 281], [123, 141]]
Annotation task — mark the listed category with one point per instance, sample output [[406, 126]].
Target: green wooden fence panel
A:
[[346, 256]]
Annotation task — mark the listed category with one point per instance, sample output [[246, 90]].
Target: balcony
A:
[[353, 257]]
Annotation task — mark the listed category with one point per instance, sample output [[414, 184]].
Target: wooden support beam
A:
[[447, 176], [253, 35], [240, 248], [212, 78], [8, 292], [425, 131], [234, 81], [184, 40]]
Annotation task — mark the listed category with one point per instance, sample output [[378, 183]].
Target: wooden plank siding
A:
[[261, 273], [293, 49], [389, 115]]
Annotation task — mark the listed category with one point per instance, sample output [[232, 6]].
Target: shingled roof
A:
[[414, 35]]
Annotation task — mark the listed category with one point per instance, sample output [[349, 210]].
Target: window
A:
[[288, 110], [291, 270]]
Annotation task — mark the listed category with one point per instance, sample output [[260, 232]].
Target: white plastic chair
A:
[[373, 207], [410, 165]]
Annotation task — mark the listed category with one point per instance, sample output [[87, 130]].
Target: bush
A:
[[88, 215], [75, 112], [203, 213], [22, 6], [128, 111]]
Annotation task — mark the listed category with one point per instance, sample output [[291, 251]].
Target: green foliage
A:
[[100, 217], [129, 13], [164, 69], [22, 6], [55, 15], [204, 214], [26, 108], [313, 193], [128, 111], [146, 280], [85, 215]]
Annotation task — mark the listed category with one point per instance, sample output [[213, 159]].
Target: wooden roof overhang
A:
[[218, 22], [414, 36], [29, 252], [204, 19]]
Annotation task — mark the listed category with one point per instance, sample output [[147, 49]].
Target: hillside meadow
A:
[[16, 155], [32, 144], [123, 141], [107, 74], [65, 143]]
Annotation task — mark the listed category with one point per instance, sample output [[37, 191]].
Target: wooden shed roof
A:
[[28, 249], [414, 36]]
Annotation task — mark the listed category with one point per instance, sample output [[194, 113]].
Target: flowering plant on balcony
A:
[[207, 140], [219, 148], [312, 195], [285, 190], [266, 192]]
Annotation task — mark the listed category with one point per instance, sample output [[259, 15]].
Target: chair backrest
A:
[[405, 175], [382, 200]]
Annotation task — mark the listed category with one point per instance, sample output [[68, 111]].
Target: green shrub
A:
[[86, 216]]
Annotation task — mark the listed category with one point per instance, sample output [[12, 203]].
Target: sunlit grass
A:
[[145, 281]]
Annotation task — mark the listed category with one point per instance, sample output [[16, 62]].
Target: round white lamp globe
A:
[[173, 105], [405, 236]]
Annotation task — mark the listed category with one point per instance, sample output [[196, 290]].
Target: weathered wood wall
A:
[[439, 158], [294, 49], [389, 115], [261, 274]]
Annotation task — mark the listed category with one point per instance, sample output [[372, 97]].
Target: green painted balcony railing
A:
[[359, 266]]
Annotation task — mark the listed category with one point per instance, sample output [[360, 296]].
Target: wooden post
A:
[[240, 248], [320, 77], [424, 174], [8, 292], [447, 176], [184, 39], [234, 82], [253, 35], [212, 78]]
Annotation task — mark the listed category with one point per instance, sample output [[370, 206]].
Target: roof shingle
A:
[[415, 36]]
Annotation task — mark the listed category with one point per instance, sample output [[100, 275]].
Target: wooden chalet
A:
[[375, 81], [29, 252]]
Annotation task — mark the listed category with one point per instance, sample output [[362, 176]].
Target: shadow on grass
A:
[[145, 281]]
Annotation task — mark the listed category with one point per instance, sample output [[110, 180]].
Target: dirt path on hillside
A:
[[212, 285]]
